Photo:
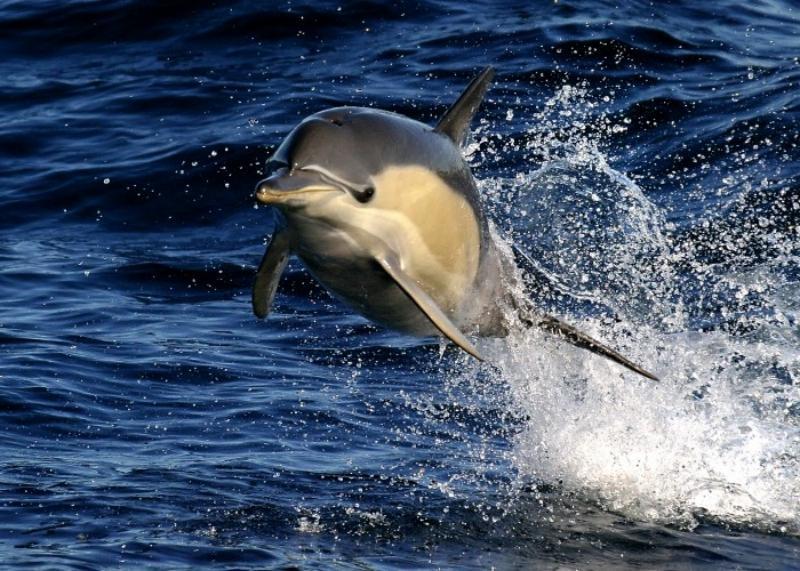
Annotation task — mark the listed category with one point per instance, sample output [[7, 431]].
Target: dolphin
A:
[[384, 212]]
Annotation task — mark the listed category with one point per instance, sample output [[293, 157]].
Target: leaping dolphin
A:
[[384, 212]]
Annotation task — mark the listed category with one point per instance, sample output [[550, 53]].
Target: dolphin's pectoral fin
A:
[[455, 122], [427, 305], [553, 325], [530, 317], [269, 273]]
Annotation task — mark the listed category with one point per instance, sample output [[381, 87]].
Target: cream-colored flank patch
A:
[[432, 227]]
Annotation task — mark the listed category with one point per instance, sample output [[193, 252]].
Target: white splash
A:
[[719, 437]]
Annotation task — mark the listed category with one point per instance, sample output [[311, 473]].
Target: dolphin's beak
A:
[[284, 186]]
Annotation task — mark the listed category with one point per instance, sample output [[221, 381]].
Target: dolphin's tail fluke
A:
[[569, 333]]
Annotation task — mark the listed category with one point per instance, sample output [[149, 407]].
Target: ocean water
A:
[[646, 156]]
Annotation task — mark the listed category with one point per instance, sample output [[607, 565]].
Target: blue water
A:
[[646, 156]]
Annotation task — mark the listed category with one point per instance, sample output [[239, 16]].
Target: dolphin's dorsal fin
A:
[[269, 273], [455, 123], [424, 302]]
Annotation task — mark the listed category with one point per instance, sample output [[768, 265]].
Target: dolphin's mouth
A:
[[284, 186]]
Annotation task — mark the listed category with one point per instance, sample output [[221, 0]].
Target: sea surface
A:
[[645, 155]]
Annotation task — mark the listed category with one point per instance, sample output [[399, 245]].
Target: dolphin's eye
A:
[[364, 196]]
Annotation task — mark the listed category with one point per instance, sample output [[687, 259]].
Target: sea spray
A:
[[718, 438]]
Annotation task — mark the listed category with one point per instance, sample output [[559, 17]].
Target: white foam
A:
[[652, 451]]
